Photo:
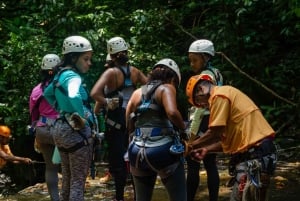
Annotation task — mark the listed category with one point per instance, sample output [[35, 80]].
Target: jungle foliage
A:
[[258, 43], [260, 37]]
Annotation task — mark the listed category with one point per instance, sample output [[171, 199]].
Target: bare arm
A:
[[131, 107], [200, 153], [14, 159], [212, 135], [142, 78], [210, 141], [97, 92], [138, 77], [97, 107]]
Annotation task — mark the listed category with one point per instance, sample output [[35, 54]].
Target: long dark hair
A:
[[69, 59], [46, 77]]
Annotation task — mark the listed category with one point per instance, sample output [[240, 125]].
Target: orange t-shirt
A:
[[244, 123], [6, 149]]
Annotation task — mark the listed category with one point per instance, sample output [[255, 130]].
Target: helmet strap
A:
[[206, 59]]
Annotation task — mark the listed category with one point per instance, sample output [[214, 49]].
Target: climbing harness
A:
[[252, 169]]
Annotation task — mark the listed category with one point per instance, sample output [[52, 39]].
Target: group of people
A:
[[142, 121]]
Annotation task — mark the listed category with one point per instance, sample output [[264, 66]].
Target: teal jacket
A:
[[72, 98]]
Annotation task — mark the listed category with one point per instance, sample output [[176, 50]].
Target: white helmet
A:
[[170, 64], [115, 45], [50, 61], [202, 46], [76, 44]]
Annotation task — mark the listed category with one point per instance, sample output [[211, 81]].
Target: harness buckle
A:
[[113, 123]]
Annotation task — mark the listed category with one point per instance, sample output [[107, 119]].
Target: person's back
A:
[[73, 130], [112, 92], [242, 113], [43, 116], [151, 116]]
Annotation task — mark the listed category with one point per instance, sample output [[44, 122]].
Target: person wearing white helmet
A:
[[238, 128], [112, 92], [152, 117], [43, 116], [200, 55], [73, 130]]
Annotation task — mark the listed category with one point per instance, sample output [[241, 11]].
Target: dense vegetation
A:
[[259, 39]]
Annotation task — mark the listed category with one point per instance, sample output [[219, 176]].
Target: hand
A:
[[112, 103], [77, 122], [188, 148], [26, 160], [199, 154]]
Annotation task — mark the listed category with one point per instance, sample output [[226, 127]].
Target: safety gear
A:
[[170, 64], [76, 44], [188, 148], [202, 46], [115, 45], [112, 103], [75, 121], [50, 61], [4, 131], [192, 83]]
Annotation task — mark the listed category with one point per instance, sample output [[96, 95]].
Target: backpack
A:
[[36, 97], [57, 85], [217, 75]]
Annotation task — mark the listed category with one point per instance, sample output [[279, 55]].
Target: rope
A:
[[256, 81], [234, 65], [37, 162]]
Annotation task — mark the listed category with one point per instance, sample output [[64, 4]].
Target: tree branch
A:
[[256, 81]]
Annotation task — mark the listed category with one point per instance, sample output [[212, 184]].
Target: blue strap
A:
[[43, 119]]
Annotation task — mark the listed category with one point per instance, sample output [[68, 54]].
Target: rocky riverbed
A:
[[285, 186]]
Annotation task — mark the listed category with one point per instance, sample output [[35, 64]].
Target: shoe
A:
[[106, 177]]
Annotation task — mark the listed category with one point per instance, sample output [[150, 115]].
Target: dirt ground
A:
[[285, 185]]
